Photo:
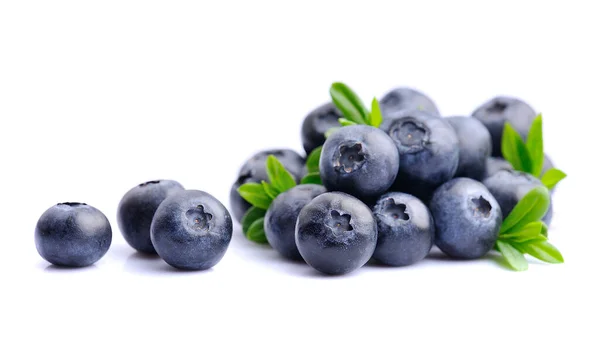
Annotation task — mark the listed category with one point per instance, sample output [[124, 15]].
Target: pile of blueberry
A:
[[386, 184]]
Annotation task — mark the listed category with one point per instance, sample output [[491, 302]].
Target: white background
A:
[[96, 97]]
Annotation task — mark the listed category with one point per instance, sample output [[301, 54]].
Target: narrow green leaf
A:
[[542, 250], [250, 216], [521, 234], [531, 208], [254, 194], [515, 259], [348, 103], [552, 177], [269, 190], [312, 162], [331, 131], [535, 146], [514, 149], [375, 117], [544, 230], [279, 177], [256, 231], [344, 122], [312, 178]]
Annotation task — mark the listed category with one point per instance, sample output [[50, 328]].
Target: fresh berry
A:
[[137, 208], [496, 164], [336, 233], [316, 124], [405, 229], [73, 235], [467, 218], [191, 230], [474, 144], [404, 98]]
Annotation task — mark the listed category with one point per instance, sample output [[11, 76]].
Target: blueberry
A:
[[548, 164], [474, 145], [359, 160], [405, 229], [495, 164], [137, 208], [428, 149], [254, 171], [73, 234], [467, 218], [404, 98], [280, 221], [316, 124], [336, 233], [495, 112], [191, 230], [509, 186]]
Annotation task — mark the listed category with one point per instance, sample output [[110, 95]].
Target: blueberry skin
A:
[[495, 164], [467, 218], [336, 233], [254, 171], [359, 160], [73, 235], [191, 230], [428, 148], [474, 146], [496, 111], [509, 187], [136, 209], [281, 217], [315, 125], [405, 229], [404, 98]]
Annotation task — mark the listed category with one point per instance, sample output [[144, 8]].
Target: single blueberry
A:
[[405, 229], [336, 233], [404, 98], [467, 218], [474, 145], [495, 164], [254, 171], [280, 221], [136, 209], [509, 187], [315, 125], [499, 110], [428, 149], [72, 234], [191, 230], [359, 160]]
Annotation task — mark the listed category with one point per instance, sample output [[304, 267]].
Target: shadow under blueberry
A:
[[51, 268], [152, 264]]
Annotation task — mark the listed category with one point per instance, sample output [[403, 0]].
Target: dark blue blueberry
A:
[[254, 171], [509, 187], [280, 221], [405, 231], [73, 234], [428, 149], [191, 230], [474, 144], [467, 218], [497, 111], [137, 208], [495, 164], [336, 233], [404, 98], [316, 124], [359, 160]]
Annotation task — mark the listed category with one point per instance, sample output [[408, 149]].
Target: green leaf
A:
[[544, 230], [269, 190], [348, 103], [279, 177], [254, 194], [552, 177], [514, 149], [375, 117], [250, 216], [514, 258], [542, 250], [312, 178], [535, 146], [531, 208], [530, 231], [344, 122], [312, 162], [256, 231]]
